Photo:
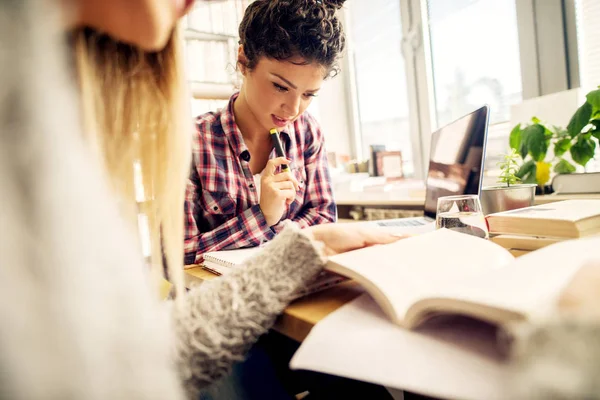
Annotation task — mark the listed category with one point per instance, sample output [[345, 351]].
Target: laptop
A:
[[456, 159]]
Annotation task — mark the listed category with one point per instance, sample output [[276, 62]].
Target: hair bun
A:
[[335, 4]]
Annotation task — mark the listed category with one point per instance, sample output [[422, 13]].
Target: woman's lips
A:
[[279, 122]]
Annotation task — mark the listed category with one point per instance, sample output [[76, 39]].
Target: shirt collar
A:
[[230, 128]]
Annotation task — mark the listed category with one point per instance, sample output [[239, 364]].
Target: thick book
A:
[[562, 219], [448, 273], [522, 242], [434, 283]]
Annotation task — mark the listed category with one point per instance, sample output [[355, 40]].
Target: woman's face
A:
[[278, 92], [144, 23]]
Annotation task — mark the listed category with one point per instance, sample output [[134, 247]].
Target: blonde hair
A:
[[135, 111]]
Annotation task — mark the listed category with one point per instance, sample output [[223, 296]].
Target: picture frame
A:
[[389, 164]]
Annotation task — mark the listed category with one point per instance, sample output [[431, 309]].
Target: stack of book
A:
[[527, 229]]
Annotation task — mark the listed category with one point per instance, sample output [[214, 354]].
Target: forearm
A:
[[559, 359], [223, 318]]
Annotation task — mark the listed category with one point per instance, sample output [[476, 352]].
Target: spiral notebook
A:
[[224, 261], [221, 262]]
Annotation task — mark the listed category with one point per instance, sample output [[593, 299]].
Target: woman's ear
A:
[[242, 60]]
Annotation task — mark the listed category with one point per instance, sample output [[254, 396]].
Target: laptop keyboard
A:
[[403, 222]]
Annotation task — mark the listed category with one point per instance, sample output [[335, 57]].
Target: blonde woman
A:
[[88, 88]]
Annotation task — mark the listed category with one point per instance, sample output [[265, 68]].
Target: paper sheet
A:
[[461, 362]]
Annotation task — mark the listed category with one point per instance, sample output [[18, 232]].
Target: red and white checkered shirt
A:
[[221, 203]]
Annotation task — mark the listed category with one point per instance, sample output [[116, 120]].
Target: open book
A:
[[445, 272]]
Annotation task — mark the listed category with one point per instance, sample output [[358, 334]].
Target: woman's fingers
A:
[[272, 165], [286, 176]]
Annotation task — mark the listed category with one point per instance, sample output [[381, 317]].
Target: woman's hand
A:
[[276, 190], [339, 238]]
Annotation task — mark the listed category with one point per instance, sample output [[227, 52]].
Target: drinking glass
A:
[[462, 214]]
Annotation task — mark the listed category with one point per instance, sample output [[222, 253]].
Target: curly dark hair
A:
[[281, 29]]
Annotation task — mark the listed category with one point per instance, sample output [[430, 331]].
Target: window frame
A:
[[549, 64]]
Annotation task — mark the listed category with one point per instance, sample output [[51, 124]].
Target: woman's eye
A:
[[280, 88], [310, 95]]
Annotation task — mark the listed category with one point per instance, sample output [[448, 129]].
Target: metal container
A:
[[503, 198]]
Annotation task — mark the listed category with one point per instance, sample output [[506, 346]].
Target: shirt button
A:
[[215, 208], [252, 186]]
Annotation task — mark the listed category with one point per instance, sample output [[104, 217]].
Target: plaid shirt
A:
[[221, 203]]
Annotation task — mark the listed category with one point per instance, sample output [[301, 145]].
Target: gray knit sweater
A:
[[223, 318], [78, 319]]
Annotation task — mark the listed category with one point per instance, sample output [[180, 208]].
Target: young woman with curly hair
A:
[[235, 196]]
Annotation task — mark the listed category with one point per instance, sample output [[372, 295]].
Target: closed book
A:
[[563, 219], [522, 242]]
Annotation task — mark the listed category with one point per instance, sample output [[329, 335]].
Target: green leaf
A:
[[531, 177], [564, 167], [596, 131], [593, 98], [561, 147], [526, 169], [536, 141], [548, 133], [561, 132], [515, 137], [583, 150], [580, 119], [535, 120], [523, 150]]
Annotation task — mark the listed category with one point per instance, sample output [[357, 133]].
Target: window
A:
[[380, 78], [211, 52], [475, 60], [588, 40], [474, 57]]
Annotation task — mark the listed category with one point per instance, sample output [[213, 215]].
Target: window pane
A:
[[475, 57], [380, 76], [211, 51], [588, 40]]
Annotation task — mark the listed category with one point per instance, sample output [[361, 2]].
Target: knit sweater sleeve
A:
[[556, 359], [221, 319]]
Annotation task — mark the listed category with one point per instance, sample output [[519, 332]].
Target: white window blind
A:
[[211, 40], [588, 37]]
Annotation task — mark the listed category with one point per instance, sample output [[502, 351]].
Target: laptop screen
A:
[[456, 158]]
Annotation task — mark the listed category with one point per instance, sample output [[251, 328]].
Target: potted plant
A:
[[550, 149], [512, 193]]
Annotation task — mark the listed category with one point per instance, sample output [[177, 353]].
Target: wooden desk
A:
[[299, 317]]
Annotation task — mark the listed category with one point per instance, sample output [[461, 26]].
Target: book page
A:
[[357, 341], [418, 267], [532, 283]]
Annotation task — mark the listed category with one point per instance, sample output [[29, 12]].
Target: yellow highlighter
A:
[[278, 148]]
